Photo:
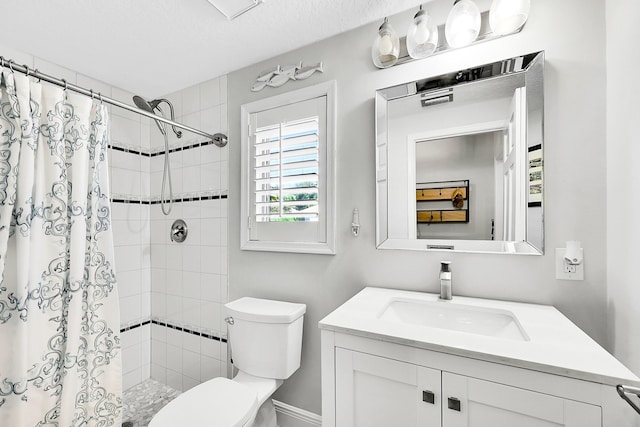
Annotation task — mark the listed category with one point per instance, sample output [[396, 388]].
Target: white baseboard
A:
[[290, 416]]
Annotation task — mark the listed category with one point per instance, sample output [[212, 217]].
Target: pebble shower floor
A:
[[143, 401]]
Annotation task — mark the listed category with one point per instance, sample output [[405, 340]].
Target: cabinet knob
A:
[[428, 396], [453, 403]]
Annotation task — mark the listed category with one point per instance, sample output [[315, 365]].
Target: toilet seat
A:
[[218, 402]]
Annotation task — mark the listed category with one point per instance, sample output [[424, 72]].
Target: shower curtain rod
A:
[[218, 139]]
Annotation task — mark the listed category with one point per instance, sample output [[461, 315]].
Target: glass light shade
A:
[[386, 47], [463, 23], [507, 16], [422, 36]]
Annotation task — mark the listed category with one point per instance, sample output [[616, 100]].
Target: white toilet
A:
[[266, 340]]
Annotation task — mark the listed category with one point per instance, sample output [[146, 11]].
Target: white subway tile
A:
[[158, 333], [158, 304], [191, 259], [210, 287], [174, 256], [210, 316], [210, 119], [130, 338], [209, 368], [159, 352], [130, 309], [209, 154], [190, 100], [191, 284], [125, 131], [191, 364], [191, 312], [210, 232], [128, 282], [127, 258], [174, 357], [210, 348], [174, 282], [127, 98], [158, 255], [174, 380], [158, 280], [131, 357], [188, 383], [132, 378], [191, 342], [159, 373], [210, 93], [145, 371]]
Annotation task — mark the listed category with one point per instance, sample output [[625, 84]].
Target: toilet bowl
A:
[[266, 342]]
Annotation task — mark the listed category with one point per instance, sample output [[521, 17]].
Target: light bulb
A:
[[422, 36], [507, 16], [386, 47], [463, 23]]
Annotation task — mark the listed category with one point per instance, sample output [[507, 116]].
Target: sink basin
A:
[[455, 317]]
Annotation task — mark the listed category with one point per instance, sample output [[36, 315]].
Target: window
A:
[[288, 173]]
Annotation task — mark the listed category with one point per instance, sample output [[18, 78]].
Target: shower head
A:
[[143, 104], [150, 106]]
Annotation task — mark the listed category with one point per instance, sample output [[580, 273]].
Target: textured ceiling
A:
[[154, 47]]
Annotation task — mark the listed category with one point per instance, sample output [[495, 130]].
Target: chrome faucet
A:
[[445, 281]]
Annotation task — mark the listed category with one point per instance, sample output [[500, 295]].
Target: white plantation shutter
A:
[[288, 169]]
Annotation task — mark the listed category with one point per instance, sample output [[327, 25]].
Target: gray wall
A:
[[574, 178], [623, 176]]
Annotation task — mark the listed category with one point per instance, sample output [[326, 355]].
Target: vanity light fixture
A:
[[508, 16], [422, 36], [463, 23], [386, 47]]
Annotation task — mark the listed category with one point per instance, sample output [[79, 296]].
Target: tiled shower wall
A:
[[129, 174], [189, 280]]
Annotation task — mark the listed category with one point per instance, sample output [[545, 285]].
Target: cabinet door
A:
[[374, 391], [488, 404]]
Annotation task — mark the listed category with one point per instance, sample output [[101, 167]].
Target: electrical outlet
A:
[[566, 271]]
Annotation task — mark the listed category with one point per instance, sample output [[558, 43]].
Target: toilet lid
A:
[[220, 402]]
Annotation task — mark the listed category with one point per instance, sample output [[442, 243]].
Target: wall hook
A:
[[355, 223]]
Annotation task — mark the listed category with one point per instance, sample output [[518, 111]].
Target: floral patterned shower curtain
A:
[[60, 361]]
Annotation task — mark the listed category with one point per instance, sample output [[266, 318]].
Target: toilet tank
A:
[[265, 336]]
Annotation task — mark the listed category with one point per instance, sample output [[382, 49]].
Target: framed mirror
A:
[[459, 160]]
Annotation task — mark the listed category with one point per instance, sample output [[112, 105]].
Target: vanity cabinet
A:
[[389, 360], [374, 391]]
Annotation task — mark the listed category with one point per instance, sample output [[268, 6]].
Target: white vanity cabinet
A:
[[378, 372], [374, 391]]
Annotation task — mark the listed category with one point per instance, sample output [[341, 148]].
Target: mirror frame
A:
[[440, 85]]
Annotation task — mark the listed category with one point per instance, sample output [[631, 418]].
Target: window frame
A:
[[328, 246]]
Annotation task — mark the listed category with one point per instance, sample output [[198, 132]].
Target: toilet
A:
[[266, 341]]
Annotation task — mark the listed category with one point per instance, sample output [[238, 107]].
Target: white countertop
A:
[[556, 345]]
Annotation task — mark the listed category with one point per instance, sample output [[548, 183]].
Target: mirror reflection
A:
[[459, 160]]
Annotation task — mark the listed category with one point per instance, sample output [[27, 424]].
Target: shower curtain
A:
[[60, 361]]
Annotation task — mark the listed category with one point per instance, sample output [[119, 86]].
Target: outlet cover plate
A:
[[566, 271]]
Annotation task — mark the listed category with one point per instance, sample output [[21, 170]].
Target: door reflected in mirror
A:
[[459, 160]]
